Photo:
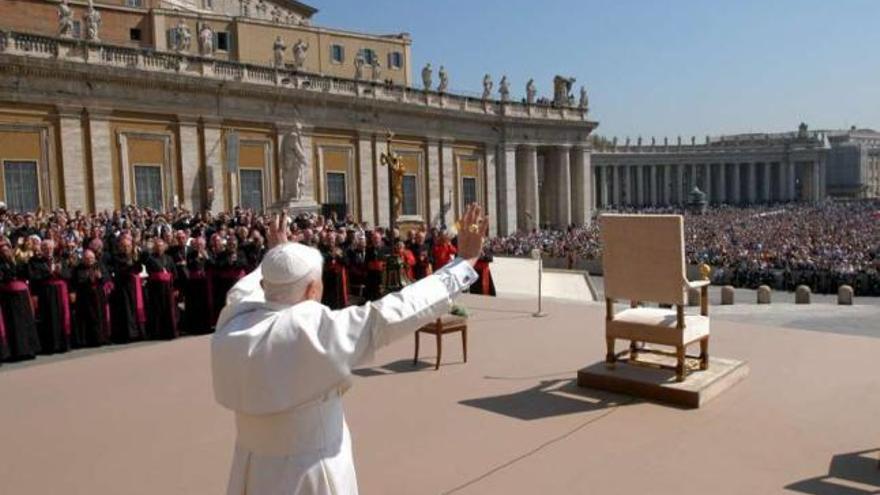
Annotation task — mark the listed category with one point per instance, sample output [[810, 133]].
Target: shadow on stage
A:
[[854, 473], [399, 366], [547, 399]]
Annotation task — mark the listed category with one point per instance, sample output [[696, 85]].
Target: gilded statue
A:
[[395, 165]]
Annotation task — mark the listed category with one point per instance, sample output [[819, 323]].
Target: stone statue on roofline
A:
[[299, 54], [65, 20], [427, 77], [531, 92], [562, 90], [93, 22], [487, 87], [584, 101], [444, 80], [206, 39], [504, 89], [278, 49]]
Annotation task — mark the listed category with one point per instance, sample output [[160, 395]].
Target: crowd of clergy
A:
[[71, 280]]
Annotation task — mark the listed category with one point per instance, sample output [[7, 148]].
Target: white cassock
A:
[[283, 369]]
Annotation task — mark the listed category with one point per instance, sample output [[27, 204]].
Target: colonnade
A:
[[758, 182], [543, 185]]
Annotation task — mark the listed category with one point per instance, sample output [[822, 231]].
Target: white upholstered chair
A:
[[643, 261]]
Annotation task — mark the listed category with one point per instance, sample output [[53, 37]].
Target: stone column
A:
[[436, 189], [722, 183], [448, 182], [708, 186], [751, 183], [790, 180], [562, 165], [190, 163], [652, 184], [215, 169], [102, 162], [382, 184], [640, 195], [367, 194], [735, 185], [817, 181], [528, 206], [765, 186], [491, 188], [666, 199], [581, 186], [73, 163], [617, 184], [507, 188], [603, 189]]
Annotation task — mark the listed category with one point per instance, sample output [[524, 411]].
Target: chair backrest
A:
[[643, 257]]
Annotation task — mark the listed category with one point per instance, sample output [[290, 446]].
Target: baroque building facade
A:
[[92, 119]]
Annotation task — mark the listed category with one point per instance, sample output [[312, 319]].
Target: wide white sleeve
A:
[[356, 332], [248, 289]]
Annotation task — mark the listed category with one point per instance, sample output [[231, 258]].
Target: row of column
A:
[[733, 183], [567, 182]]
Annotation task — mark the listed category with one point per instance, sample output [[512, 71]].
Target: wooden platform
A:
[[648, 382]]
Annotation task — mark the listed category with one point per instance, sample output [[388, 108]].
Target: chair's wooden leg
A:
[[680, 367], [633, 350], [416, 358], [610, 358], [439, 349], [464, 343], [704, 353]]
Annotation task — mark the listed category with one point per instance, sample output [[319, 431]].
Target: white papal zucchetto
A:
[[291, 263]]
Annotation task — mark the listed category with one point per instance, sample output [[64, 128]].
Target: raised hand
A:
[[278, 230], [472, 232]]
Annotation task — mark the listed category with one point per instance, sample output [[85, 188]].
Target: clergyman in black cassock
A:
[[48, 277], [19, 325], [197, 290], [161, 306], [92, 327], [128, 314]]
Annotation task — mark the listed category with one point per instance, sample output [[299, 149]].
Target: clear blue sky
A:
[[654, 67]]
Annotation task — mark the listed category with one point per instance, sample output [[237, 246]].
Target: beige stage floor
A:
[[141, 420]]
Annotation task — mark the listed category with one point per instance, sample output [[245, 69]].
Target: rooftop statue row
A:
[[276, 72], [802, 135], [562, 89]]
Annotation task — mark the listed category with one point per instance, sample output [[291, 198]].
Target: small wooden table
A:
[[443, 325]]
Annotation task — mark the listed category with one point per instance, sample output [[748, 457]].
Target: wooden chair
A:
[[643, 261], [443, 325]]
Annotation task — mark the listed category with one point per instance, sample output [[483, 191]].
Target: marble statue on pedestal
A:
[[693, 140], [276, 15], [504, 89], [182, 37], [562, 90], [427, 79], [93, 22], [299, 54], [376, 70], [487, 86], [293, 166], [245, 8], [206, 40], [584, 102], [359, 63], [531, 92], [278, 49], [65, 20], [444, 80]]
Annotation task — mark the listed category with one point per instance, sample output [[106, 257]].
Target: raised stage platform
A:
[[141, 420]]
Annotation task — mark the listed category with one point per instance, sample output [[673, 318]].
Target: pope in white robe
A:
[[281, 361]]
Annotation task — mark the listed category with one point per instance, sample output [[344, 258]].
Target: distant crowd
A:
[[71, 279], [822, 246]]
